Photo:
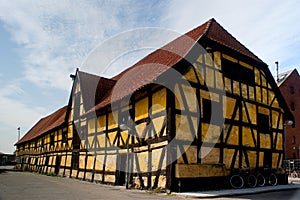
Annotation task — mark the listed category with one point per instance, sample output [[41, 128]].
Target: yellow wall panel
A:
[[257, 76], [192, 154], [91, 125], [234, 136], [209, 77], [265, 141], [212, 155], [156, 156], [279, 144], [82, 161], [183, 129], [101, 123], [228, 85], [68, 161], [264, 96], [111, 163], [275, 116], [90, 162], [244, 91], [252, 112], [158, 124], [208, 59], [217, 59], [159, 98], [190, 76], [210, 133], [251, 93], [275, 160], [252, 156], [90, 141], [247, 137], [142, 162], [230, 104], [112, 137], [112, 120], [140, 130], [219, 80], [263, 110], [99, 162], [263, 80], [141, 109], [236, 87], [124, 135]]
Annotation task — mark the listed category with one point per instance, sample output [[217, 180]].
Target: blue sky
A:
[[42, 42]]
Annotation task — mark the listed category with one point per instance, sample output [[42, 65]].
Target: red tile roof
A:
[[93, 88], [156, 63], [45, 125]]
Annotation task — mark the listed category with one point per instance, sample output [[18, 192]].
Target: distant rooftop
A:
[[283, 76]]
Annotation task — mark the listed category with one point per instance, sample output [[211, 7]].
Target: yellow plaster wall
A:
[[156, 156], [158, 124], [91, 125], [159, 98], [247, 137], [112, 120], [101, 123], [183, 129], [191, 154], [141, 109]]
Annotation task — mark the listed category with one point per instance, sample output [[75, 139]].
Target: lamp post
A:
[[289, 123], [124, 127], [19, 128]]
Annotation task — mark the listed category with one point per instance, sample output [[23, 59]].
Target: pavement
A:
[[293, 184], [62, 185]]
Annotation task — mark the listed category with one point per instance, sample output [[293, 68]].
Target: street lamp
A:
[[289, 123], [19, 128], [125, 127]]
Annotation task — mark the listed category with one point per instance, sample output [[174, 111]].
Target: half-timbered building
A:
[[192, 114]]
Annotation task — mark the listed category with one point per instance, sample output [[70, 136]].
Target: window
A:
[[64, 136], [207, 109], [237, 72], [292, 90], [294, 140], [263, 123], [292, 106], [52, 140], [42, 143]]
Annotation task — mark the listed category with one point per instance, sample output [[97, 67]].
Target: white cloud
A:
[[56, 35], [268, 28], [13, 114]]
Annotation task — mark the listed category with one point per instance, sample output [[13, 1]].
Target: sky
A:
[[43, 42]]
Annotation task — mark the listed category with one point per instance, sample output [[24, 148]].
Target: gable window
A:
[[292, 90], [263, 123], [292, 106], [237, 72]]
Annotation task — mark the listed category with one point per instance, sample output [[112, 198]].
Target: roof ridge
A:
[[242, 45], [209, 23]]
